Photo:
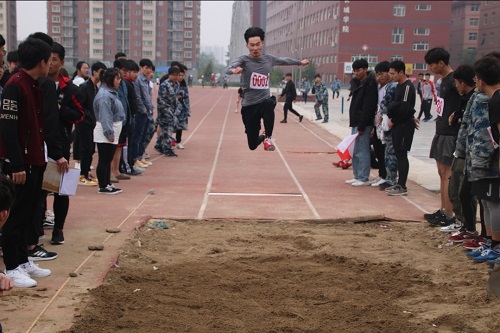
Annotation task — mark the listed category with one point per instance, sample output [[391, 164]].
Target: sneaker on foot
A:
[[361, 183], [57, 237], [443, 221], [48, 224], [34, 271], [398, 190], [170, 153], [478, 251], [462, 236], [49, 215], [39, 254], [114, 180], [488, 254], [268, 144], [146, 156], [109, 190], [283, 121], [86, 182], [454, 227], [384, 186], [179, 146], [20, 278], [351, 181], [137, 169], [474, 244], [144, 162], [377, 181], [434, 216]]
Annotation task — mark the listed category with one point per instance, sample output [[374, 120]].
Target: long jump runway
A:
[[215, 177]]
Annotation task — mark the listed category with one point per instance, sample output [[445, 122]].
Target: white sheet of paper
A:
[[69, 182]]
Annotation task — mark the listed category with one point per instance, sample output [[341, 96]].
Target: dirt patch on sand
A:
[[288, 276]]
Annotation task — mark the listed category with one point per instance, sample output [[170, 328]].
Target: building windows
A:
[[188, 24], [188, 45], [371, 58], [56, 9], [147, 43], [97, 41], [137, 22], [188, 34], [137, 53], [420, 46], [137, 43], [492, 37], [188, 14], [96, 10], [147, 53], [147, 22], [107, 41], [399, 10], [86, 20], [97, 31], [396, 57], [423, 7], [148, 12], [422, 31], [398, 35], [472, 35], [109, 11], [188, 4], [473, 22], [107, 21], [97, 20], [56, 39], [188, 55], [138, 12], [97, 51], [56, 19], [56, 30], [158, 54], [419, 66], [493, 17], [137, 33], [147, 33], [474, 7], [485, 19]]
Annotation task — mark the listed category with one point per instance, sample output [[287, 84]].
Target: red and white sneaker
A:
[[474, 244], [269, 145], [463, 236]]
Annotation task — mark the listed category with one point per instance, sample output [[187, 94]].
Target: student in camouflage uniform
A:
[[382, 131], [321, 93], [305, 86], [183, 108], [167, 107]]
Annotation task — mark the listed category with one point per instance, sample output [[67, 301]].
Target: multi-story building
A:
[[489, 27], [162, 31], [8, 24], [335, 33], [464, 32]]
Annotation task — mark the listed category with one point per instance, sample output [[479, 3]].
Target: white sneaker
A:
[[179, 146], [20, 278], [377, 181], [34, 271], [454, 227], [361, 183], [143, 161], [350, 181], [77, 165]]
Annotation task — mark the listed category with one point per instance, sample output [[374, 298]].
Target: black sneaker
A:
[[438, 214], [57, 237], [170, 153], [110, 189], [442, 222], [48, 224], [39, 253]]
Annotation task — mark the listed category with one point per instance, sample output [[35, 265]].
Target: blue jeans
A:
[[361, 156], [141, 126]]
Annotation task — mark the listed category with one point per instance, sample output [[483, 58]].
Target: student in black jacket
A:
[[84, 132], [290, 94], [401, 113]]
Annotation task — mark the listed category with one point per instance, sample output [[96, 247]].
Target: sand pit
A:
[[291, 276]]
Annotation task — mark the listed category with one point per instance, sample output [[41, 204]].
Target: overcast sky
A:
[[215, 20]]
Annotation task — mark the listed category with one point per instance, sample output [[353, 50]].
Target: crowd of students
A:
[[45, 114], [465, 145]]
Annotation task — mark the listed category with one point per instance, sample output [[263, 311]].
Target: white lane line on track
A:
[[327, 143], [216, 159], [60, 289], [236, 194], [297, 183]]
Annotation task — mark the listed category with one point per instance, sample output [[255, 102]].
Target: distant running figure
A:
[[257, 103]]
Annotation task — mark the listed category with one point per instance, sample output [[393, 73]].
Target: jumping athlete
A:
[[257, 102]]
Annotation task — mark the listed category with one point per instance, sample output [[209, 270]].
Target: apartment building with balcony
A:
[[335, 33], [162, 31], [489, 28], [464, 34]]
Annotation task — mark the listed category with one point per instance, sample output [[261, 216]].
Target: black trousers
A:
[[20, 223], [403, 166], [251, 116], [178, 136], [426, 108], [379, 148], [106, 152], [86, 147], [289, 106], [469, 205]]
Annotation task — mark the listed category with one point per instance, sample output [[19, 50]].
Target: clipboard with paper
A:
[[64, 184]]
